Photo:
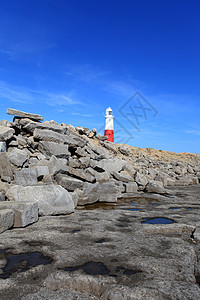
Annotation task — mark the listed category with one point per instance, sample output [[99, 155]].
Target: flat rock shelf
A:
[[108, 253]]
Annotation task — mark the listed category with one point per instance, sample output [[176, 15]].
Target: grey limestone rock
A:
[[26, 176], [6, 173], [80, 174], [3, 147], [22, 114], [69, 183], [124, 150], [24, 213], [2, 196], [141, 179], [111, 165], [102, 177], [52, 148], [18, 157], [6, 219], [131, 187], [6, 133], [52, 199], [155, 187], [122, 177]]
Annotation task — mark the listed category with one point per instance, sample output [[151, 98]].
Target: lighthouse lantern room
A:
[[109, 130]]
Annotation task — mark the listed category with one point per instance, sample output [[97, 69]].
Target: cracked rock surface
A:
[[108, 251]]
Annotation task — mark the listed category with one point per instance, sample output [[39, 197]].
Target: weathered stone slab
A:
[[52, 148], [124, 150], [141, 179], [31, 126], [24, 213], [51, 136], [2, 196], [26, 176], [102, 177], [18, 157], [6, 133], [105, 192], [52, 199], [6, 219], [155, 187], [122, 177], [81, 174], [22, 114], [3, 147], [131, 187], [6, 173], [111, 165], [69, 183]]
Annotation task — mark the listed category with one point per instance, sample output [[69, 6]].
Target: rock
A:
[[24, 213], [129, 169], [110, 165], [110, 146], [141, 179], [80, 174], [131, 187], [52, 148], [3, 147], [2, 196], [162, 178], [73, 163], [105, 192], [190, 169], [82, 130], [124, 150], [122, 177], [69, 183], [74, 196], [6, 219], [6, 133], [51, 136], [22, 114], [41, 171], [84, 162], [26, 176], [102, 177], [52, 199], [18, 157], [102, 137], [6, 173], [155, 187], [31, 126]]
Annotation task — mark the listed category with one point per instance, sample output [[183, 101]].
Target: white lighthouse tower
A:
[[109, 130]]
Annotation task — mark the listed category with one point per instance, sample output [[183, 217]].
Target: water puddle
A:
[[100, 241], [91, 268], [127, 272], [176, 207], [23, 262], [157, 221], [134, 209]]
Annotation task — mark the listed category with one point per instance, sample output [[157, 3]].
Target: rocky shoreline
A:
[[49, 169]]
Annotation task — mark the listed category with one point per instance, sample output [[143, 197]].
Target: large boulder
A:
[[24, 213], [18, 157], [105, 192], [23, 114], [52, 148], [26, 176], [141, 179], [52, 199], [111, 165], [6, 133], [80, 174], [6, 173], [69, 183], [6, 219], [122, 177], [155, 187]]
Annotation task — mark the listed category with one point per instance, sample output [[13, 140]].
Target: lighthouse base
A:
[[110, 135]]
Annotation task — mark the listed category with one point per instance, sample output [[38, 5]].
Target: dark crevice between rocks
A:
[[192, 235], [23, 262]]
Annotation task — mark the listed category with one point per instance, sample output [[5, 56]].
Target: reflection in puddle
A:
[[176, 207], [23, 262], [157, 221], [134, 209]]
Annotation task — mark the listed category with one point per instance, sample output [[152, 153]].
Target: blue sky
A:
[[70, 60]]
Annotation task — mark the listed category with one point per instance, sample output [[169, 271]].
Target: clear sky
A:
[[70, 60]]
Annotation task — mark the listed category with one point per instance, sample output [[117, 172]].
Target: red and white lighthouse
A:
[[109, 131]]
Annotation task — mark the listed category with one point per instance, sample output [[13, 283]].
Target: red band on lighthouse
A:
[[109, 130]]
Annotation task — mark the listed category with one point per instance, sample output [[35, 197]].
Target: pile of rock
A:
[[50, 168]]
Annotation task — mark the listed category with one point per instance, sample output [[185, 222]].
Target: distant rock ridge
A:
[[49, 168]]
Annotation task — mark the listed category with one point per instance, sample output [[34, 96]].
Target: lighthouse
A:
[[109, 132]]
